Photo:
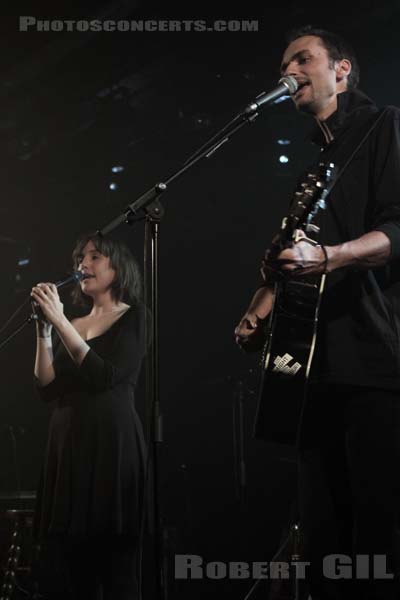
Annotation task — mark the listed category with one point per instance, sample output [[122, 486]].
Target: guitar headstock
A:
[[308, 199]]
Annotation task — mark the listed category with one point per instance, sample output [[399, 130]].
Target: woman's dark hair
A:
[[127, 286], [336, 47]]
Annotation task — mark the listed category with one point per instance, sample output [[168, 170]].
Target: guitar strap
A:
[[376, 120], [269, 417], [263, 419]]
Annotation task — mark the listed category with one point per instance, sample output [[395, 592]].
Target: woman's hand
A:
[[51, 307]]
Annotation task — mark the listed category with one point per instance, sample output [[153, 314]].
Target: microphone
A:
[[287, 85], [75, 277]]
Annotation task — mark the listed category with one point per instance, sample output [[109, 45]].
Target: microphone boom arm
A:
[[288, 85]]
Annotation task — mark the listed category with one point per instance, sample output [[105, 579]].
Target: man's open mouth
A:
[[302, 84]]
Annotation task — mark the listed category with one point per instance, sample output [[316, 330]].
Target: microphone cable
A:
[[75, 277], [14, 314]]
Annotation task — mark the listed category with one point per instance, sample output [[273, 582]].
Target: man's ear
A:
[[342, 68]]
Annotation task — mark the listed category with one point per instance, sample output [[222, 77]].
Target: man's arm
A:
[[371, 250], [248, 334]]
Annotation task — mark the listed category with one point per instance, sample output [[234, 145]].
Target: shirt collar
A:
[[350, 104]]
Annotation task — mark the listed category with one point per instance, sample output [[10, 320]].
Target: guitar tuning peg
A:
[[311, 228], [322, 204]]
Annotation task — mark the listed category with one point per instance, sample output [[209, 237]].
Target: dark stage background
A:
[[75, 105]]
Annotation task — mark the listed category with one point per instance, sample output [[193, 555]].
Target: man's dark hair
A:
[[127, 286], [336, 47]]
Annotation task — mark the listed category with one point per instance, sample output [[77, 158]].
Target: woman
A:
[[91, 494]]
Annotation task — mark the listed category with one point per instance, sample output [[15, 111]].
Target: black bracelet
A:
[[325, 258]]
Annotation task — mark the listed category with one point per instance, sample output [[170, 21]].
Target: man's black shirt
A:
[[358, 338]]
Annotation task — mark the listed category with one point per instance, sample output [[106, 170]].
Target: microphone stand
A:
[[239, 397], [32, 317], [73, 278], [149, 204]]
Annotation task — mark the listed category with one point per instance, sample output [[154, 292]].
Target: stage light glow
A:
[[281, 99]]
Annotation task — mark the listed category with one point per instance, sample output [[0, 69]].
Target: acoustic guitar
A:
[[292, 325]]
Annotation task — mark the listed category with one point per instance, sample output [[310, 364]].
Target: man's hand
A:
[[303, 258], [246, 328], [250, 333]]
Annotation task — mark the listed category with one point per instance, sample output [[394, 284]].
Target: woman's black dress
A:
[[92, 478]]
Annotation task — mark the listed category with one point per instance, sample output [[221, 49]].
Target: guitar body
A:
[[287, 358], [292, 330]]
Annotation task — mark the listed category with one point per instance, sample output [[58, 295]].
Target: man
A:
[[349, 450]]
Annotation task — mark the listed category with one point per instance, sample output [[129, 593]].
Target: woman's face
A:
[[92, 262]]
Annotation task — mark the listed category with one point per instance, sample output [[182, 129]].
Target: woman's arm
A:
[[44, 370], [125, 355], [46, 295], [76, 347], [98, 373]]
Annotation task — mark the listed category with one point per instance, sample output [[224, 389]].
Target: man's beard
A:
[[307, 108]]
